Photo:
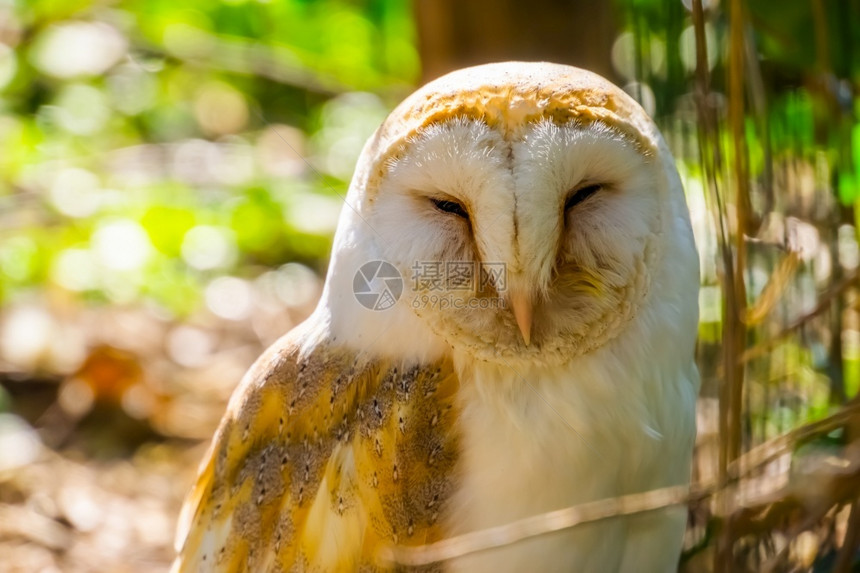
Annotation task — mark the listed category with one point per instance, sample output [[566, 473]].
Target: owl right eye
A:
[[452, 207], [581, 195]]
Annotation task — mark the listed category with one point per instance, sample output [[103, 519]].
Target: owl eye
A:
[[581, 195], [451, 207]]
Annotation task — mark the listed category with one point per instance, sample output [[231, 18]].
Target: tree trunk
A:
[[456, 33]]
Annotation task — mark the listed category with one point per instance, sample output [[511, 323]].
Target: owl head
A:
[[531, 210]]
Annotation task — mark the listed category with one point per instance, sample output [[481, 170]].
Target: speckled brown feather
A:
[[322, 456]]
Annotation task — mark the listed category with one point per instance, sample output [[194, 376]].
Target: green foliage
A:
[[138, 163], [790, 171]]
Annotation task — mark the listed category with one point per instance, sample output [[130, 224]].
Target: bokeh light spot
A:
[[206, 247], [220, 109], [121, 245], [78, 48], [189, 346], [75, 269], [229, 297], [81, 109], [19, 443], [8, 65], [75, 192], [26, 335]]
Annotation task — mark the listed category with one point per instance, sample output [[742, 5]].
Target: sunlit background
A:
[[171, 175]]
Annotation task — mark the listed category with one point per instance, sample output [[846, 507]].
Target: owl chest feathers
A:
[[535, 440]]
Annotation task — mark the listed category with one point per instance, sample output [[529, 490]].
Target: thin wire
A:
[[541, 524]]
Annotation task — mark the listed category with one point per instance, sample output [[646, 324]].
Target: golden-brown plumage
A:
[[322, 456]]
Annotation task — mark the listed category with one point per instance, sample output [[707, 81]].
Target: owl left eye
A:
[[451, 207], [581, 195]]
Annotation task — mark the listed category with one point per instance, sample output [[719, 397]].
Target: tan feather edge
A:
[[508, 97]]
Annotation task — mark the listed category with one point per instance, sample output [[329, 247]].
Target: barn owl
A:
[[421, 401]]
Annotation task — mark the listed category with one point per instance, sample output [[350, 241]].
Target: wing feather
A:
[[323, 455]]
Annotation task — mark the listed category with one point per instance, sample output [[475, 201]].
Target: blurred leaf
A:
[[257, 221], [847, 188], [167, 226]]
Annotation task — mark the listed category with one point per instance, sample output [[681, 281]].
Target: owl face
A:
[[524, 216]]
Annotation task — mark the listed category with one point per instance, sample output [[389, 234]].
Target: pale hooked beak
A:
[[523, 309]]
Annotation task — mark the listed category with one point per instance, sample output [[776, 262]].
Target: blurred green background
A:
[[171, 174], [170, 179]]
